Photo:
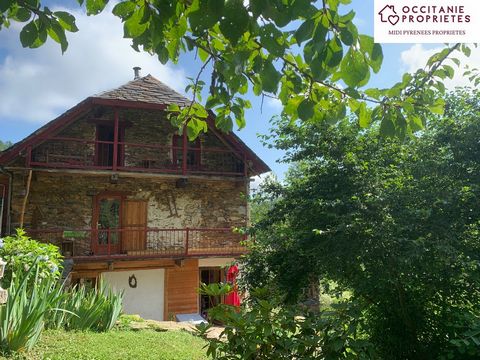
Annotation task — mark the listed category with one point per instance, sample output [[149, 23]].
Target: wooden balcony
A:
[[135, 243], [72, 153]]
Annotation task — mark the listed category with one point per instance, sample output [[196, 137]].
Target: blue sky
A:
[[38, 85]]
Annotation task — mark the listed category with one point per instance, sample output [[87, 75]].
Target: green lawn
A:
[[119, 344]]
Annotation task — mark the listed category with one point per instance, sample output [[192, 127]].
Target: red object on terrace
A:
[[233, 298]]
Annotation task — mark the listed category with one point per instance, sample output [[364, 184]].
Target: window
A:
[[194, 152]]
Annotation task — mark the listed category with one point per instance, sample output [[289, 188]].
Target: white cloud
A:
[[39, 84], [417, 56], [275, 104], [260, 179]]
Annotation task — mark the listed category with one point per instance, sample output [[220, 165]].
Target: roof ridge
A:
[[147, 89]]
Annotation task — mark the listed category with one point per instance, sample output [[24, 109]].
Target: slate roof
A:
[[145, 89]]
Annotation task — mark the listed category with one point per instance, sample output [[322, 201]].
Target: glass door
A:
[[107, 235]]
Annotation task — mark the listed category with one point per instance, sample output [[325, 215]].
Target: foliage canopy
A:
[[308, 54], [396, 223]]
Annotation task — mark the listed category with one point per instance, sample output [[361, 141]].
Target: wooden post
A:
[[187, 241], [184, 157], [115, 141], [25, 198]]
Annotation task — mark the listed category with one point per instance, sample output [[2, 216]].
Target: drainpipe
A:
[[9, 201]]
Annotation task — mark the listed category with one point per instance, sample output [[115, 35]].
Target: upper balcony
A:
[[181, 157]]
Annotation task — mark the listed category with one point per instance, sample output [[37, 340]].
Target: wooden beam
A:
[[25, 198]]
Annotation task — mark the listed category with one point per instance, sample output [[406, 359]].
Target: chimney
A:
[[136, 71]]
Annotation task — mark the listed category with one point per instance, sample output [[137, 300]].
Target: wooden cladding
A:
[[181, 284]]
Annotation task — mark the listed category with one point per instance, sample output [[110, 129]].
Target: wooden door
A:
[[134, 225]]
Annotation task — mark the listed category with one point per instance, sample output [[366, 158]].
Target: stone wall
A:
[[66, 201], [141, 127]]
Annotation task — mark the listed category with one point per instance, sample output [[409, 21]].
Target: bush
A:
[[261, 329], [95, 309], [21, 252]]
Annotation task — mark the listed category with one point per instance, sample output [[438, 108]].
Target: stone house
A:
[[129, 199]]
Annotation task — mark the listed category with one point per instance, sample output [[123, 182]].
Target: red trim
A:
[[48, 128], [184, 150], [115, 141]]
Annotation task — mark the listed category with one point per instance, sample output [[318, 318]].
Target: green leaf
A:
[[270, 78], [354, 69], [66, 20], [5, 5], [416, 123], [22, 14], [387, 127], [364, 118], [29, 34], [124, 9], [438, 107], [374, 51], [304, 31], [208, 14], [235, 20], [449, 71], [305, 109], [133, 27], [57, 33], [95, 7], [269, 36]]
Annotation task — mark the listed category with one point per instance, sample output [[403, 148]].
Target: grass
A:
[[118, 344]]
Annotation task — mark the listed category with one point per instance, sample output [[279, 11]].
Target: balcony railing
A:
[[72, 153], [143, 242]]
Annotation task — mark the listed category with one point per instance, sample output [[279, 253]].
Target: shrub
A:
[[262, 329], [21, 252]]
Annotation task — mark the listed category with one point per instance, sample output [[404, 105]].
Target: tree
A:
[[308, 54], [395, 223], [4, 145]]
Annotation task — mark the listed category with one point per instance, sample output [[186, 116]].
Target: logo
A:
[[388, 14], [427, 21]]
